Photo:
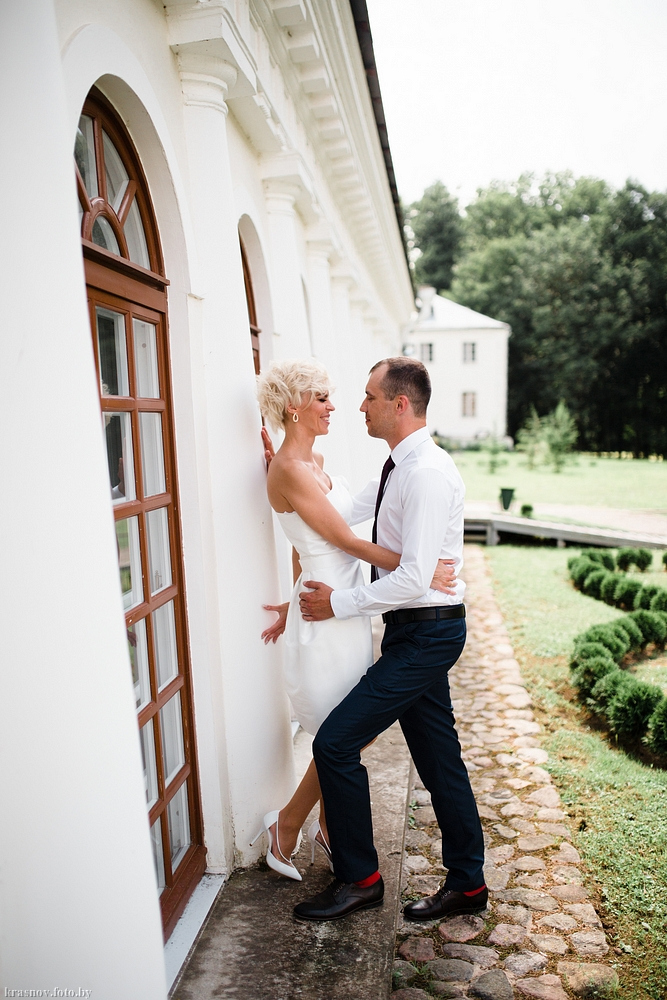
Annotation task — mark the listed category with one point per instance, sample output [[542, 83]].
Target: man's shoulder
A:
[[430, 456]]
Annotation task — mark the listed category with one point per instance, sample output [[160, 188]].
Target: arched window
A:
[[128, 315], [252, 311]]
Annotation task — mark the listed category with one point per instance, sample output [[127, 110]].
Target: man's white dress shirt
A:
[[421, 516]]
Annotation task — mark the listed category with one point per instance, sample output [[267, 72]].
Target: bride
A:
[[323, 660]]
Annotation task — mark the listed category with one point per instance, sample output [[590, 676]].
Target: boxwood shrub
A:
[[625, 592], [643, 559], [659, 601], [627, 627], [632, 706], [605, 559], [588, 672], [657, 737], [624, 558], [651, 624], [618, 645], [580, 569], [646, 594], [608, 588], [607, 688], [588, 651], [593, 582]]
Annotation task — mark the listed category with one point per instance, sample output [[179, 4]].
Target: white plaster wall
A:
[[78, 892], [74, 841]]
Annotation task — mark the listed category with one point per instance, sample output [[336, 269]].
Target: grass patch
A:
[[617, 804], [597, 482]]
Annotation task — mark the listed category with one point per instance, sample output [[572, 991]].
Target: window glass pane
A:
[[166, 655], [158, 857], [129, 562], [152, 456], [136, 238], [112, 353], [145, 359], [171, 727], [104, 236], [179, 826], [118, 430], [138, 646], [159, 556], [150, 768], [84, 154], [116, 174]]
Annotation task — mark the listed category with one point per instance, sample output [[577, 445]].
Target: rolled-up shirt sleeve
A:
[[426, 501]]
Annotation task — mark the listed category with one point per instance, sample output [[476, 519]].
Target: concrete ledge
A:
[[251, 947]]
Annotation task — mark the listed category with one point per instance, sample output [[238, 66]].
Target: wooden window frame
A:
[[120, 285]]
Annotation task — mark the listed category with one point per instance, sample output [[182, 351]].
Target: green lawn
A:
[[598, 482], [617, 805]]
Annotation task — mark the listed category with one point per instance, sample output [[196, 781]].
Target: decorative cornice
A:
[[205, 79]]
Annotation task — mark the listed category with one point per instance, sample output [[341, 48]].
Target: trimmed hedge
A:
[[605, 558], [593, 582], [617, 645], [652, 626], [627, 627], [659, 602], [592, 573], [588, 672], [641, 558], [629, 711], [646, 595], [625, 592], [657, 737]]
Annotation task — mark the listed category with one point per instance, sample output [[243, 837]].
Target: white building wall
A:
[[226, 141]]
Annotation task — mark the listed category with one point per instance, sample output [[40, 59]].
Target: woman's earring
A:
[[295, 418]]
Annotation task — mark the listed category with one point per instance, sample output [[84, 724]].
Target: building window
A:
[[127, 295], [252, 311], [425, 353], [469, 352], [469, 408]]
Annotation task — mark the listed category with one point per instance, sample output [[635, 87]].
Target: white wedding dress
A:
[[323, 660]]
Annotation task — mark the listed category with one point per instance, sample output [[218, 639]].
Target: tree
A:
[[560, 435], [436, 230]]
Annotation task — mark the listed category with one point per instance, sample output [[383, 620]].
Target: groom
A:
[[418, 511]]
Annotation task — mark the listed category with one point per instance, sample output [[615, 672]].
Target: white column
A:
[[78, 899], [285, 272], [253, 737]]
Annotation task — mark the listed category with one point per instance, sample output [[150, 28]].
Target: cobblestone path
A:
[[540, 936]]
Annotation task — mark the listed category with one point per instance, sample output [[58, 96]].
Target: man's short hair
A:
[[406, 377]]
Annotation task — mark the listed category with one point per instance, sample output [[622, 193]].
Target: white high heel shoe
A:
[[313, 831], [284, 867]]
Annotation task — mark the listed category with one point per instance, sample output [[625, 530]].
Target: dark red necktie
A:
[[388, 466]]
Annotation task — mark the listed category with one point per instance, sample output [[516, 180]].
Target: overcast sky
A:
[[481, 89]]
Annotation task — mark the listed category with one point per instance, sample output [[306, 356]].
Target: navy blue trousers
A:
[[409, 682]]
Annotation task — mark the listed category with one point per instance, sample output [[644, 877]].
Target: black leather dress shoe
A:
[[445, 903], [339, 899]]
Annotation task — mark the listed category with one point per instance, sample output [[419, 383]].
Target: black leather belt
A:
[[406, 615]]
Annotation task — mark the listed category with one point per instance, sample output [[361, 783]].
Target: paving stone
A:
[[545, 796], [533, 754], [424, 815], [587, 980], [519, 700], [421, 796], [523, 826], [569, 893], [417, 949], [517, 783], [403, 974], [525, 962], [425, 885], [507, 935], [505, 831], [496, 878], [585, 912], [496, 855], [537, 775], [417, 838], [590, 943], [527, 863], [444, 990], [493, 985], [569, 854], [565, 874], [536, 843], [515, 914], [551, 815], [487, 813], [558, 921], [509, 689], [532, 898], [451, 969], [542, 988], [518, 808], [417, 864], [551, 943], [557, 829], [526, 741], [462, 928], [411, 993], [535, 881], [478, 955]]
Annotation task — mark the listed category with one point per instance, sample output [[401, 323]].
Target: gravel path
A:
[[540, 936]]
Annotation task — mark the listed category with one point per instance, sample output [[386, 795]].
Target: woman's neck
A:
[[298, 442]]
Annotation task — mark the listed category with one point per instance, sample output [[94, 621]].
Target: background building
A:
[[188, 191], [466, 355]]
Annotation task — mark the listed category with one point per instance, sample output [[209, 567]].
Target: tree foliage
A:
[[436, 231], [579, 271]]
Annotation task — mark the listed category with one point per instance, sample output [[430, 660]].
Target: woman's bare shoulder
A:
[[319, 459]]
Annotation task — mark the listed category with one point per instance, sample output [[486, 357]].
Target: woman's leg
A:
[[294, 814]]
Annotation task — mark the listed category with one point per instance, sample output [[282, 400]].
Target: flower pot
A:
[[506, 497]]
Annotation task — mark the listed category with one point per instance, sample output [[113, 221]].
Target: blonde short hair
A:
[[285, 383]]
